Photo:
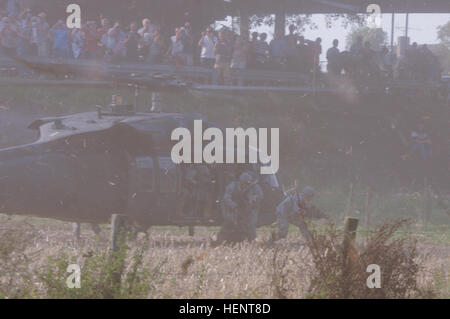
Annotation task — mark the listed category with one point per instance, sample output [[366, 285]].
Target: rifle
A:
[[302, 224]]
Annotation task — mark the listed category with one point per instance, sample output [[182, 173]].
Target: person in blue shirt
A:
[[61, 40]]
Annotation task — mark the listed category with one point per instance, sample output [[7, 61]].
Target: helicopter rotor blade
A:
[[75, 73]]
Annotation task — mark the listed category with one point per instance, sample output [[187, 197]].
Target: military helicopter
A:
[[85, 167]]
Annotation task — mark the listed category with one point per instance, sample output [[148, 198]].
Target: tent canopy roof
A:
[[339, 6]]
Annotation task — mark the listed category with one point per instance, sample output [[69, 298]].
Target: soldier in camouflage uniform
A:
[[196, 197], [202, 191], [240, 209], [292, 210]]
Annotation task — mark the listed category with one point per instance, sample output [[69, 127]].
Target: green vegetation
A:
[[376, 37], [443, 50]]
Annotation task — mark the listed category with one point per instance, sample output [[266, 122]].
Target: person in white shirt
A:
[[147, 28], [78, 37], [207, 43], [175, 51]]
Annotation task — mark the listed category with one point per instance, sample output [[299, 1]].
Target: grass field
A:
[[175, 265]]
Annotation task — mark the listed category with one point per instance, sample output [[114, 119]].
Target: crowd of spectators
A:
[[417, 63], [420, 64], [27, 34]]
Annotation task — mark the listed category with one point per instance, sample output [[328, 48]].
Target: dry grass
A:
[[175, 265], [338, 275]]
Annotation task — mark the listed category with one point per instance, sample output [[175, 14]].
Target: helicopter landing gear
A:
[[76, 229], [96, 229]]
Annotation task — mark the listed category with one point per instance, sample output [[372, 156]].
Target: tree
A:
[[444, 34], [443, 50], [300, 21], [376, 37]]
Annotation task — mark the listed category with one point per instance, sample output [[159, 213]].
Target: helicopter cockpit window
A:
[[168, 176], [157, 130]]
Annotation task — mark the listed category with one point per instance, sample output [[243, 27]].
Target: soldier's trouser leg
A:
[[283, 225], [300, 223], [181, 204], [252, 223], [225, 232]]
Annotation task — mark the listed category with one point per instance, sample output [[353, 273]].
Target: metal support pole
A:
[[406, 24], [280, 20], [244, 24], [392, 31], [136, 97], [156, 102]]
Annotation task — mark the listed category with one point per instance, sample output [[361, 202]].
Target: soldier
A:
[[240, 209], [202, 191], [292, 210], [196, 197]]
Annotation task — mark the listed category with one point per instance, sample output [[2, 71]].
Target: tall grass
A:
[[170, 264]]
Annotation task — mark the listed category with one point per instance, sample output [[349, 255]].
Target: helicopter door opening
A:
[[142, 188], [169, 179], [169, 185], [272, 197]]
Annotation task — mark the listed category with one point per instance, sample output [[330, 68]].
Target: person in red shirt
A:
[[313, 52], [106, 25], [91, 43], [101, 32]]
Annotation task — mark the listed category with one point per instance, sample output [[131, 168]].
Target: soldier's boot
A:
[[277, 235], [251, 237], [226, 234], [304, 231], [272, 238], [220, 239], [191, 231]]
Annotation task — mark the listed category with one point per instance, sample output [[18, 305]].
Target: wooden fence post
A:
[[349, 201], [426, 203], [349, 251], [369, 197], [118, 237], [351, 225]]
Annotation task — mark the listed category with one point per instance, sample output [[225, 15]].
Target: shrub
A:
[[104, 274], [335, 276], [15, 277]]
